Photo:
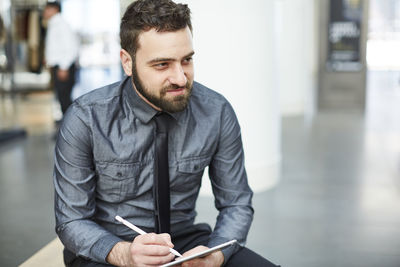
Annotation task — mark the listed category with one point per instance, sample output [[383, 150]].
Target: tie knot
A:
[[161, 119]]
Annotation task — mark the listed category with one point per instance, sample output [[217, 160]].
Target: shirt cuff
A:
[[227, 251], [103, 246]]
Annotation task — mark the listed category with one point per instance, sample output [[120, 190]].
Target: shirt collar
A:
[[140, 108], [54, 19]]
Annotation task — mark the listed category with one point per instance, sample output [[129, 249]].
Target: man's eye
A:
[[160, 65], [188, 60]]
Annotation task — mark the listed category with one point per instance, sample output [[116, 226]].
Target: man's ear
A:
[[126, 61]]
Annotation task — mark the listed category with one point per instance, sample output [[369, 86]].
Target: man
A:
[[138, 149], [61, 53]]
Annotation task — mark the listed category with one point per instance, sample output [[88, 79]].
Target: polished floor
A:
[[337, 203]]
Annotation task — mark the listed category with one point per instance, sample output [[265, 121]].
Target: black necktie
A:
[[161, 178]]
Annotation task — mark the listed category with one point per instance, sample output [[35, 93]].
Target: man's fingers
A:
[[152, 238], [194, 250], [197, 261], [151, 250], [193, 262], [167, 239]]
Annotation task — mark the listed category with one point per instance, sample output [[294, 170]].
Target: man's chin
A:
[[177, 107]]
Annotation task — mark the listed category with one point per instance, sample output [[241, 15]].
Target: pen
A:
[[140, 231]]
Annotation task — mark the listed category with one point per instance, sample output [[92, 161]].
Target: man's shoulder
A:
[[209, 103], [206, 95], [101, 95]]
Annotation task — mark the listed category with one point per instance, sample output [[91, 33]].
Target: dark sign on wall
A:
[[344, 32]]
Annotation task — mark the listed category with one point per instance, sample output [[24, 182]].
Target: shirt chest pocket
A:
[[117, 182], [190, 172]]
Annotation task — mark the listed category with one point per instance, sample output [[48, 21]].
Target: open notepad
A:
[[200, 254]]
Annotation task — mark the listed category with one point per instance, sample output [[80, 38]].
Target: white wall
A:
[[297, 52], [234, 47]]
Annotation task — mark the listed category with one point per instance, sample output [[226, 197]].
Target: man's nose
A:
[[178, 76]]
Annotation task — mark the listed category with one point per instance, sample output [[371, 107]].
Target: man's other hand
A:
[[62, 75], [215, 259], [145, 250]]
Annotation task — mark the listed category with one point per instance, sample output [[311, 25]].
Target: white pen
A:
[[140, 231]]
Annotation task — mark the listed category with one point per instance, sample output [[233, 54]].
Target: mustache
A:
[[188, 86]]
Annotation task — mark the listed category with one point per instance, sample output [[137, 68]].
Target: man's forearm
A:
[[119, 254], [86, 238]]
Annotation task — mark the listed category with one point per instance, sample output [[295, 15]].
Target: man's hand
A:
[[215, 259], [62, 75], [145, 250]]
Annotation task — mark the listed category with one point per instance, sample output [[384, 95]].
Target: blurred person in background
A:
[[61, 53]]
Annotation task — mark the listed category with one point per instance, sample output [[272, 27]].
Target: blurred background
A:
[[316, 88]]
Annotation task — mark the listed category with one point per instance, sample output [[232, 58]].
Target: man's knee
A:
[[71, 260], [247, 257]]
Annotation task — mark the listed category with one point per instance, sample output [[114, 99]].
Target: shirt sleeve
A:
[[75, 186], [69, 47], [232, 193]]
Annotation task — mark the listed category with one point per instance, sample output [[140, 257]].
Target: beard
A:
[[171, 105]]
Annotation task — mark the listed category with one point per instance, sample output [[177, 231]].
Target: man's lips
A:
[[177, 91]]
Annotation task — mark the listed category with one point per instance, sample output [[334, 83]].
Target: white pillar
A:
[[297, 51], [234, 45]]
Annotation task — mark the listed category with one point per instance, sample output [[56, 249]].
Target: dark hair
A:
[[54, 4], [143, 15]]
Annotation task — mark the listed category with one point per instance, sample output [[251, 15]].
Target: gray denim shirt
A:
[[104, 166]]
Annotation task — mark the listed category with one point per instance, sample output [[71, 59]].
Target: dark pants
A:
[[63, 89], [185, 240]]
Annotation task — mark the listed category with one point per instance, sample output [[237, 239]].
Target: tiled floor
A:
[[337, 203]]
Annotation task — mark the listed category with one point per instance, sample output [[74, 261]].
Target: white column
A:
[[297, 65], [234, 45]]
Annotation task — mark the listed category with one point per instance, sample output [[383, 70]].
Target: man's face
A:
[[163, 70], [49, 11]]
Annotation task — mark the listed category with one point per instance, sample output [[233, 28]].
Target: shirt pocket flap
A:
[[193, 165], [119, 171]]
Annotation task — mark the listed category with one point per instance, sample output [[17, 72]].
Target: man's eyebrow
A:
[[189, 55], [163, 59]]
